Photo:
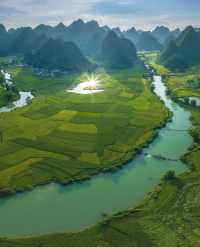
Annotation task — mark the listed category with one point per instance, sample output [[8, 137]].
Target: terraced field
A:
[[184, 84], [64, 137], [168, 217], [170, 214]]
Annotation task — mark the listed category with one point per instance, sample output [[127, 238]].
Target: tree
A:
[[190, 82], [1, 78], [193, 102], [186, 100], [169, 176], [1, 136]]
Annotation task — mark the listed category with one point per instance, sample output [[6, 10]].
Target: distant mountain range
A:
[[57, 54], [184, 51], [91, 40], [117, 52], [147, 42], [88, 36]]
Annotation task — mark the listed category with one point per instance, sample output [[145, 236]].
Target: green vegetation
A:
[[147, 42], [65, 137], [117, 52], [162, 34], [180, 84], [151, 58], [185, 84], [167, 217], [59, 55], [169, 176], [8, 93], [184, 52], [2, 91], [88, 36], [10, 60]]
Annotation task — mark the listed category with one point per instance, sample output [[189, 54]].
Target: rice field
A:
[[64, 137]]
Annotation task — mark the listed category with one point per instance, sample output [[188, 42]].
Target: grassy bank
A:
[[65, 137], [169, 216]]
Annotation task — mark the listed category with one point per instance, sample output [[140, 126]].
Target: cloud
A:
[[123, 13], [10, 12], [44, 11], [113, 7]]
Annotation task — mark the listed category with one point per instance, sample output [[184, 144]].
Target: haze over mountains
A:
[[184, 51], [89, 36], [59, 55], [147, 42], [113, 47], [117, 52]]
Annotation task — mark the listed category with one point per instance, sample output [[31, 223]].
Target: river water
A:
[[23, 99], [55, 208]]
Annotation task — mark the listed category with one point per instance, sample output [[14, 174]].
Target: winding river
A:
[[55, 208], [23, 100]]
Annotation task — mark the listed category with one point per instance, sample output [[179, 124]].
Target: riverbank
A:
[[102, 135], [110, 170], [165, 218], [133, 175], [17, 99], [183, 86]]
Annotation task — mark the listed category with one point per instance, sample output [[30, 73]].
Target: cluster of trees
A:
[[10, 92], [189, 101], [2, 80], [194, 83], [169, 176]]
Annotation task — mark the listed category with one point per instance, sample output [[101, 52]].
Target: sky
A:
[[142, 14]]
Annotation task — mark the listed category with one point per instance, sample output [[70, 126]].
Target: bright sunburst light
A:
[[89, 86], [92, 82]]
